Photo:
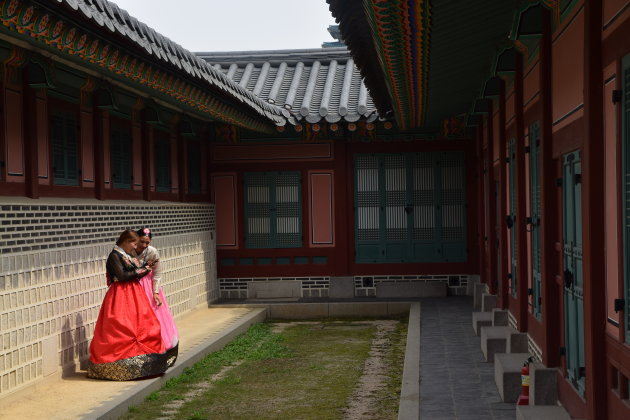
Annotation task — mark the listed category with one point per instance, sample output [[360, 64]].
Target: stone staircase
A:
[[507, 348]]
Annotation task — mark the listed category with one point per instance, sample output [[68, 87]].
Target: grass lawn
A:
[[282, 371]]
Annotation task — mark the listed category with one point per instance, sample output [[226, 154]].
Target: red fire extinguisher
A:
[[523, 399]]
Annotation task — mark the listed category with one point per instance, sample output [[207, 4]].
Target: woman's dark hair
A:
[[145, 232], [126, 236]]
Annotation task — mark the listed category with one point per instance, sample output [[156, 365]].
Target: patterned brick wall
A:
[[364, 286], [52, 265]]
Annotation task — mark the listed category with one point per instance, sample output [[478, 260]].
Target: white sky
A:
[[236, 25]]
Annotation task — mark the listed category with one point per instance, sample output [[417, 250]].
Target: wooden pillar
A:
[[182, 163], [483, 207], [86, 122], [502, 195], [551, 290], [521, 198], [593, 215], [148, 147], [99, 155], [491, 220]]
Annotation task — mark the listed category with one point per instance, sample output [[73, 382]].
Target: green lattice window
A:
[[64, 131], [573, 269], [410, 207], [194, 167], [534, 221], [162, 164], [121, 157], [273, 210]]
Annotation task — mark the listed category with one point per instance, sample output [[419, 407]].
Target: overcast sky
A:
[[236, 25]]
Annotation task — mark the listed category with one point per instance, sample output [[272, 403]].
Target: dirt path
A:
[[373, 379]]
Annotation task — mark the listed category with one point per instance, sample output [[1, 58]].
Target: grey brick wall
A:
[[52, 274]]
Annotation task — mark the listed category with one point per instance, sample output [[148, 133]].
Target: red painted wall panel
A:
[[531, 85], [509, 108], [321, 200], [14, 136], [612, 8], [495, 142], [612, 176], [567, 79], [224, 199]]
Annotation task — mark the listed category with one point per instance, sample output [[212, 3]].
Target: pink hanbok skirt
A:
[[170, 337]]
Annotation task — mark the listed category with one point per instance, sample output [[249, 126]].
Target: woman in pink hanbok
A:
[[148, 254]]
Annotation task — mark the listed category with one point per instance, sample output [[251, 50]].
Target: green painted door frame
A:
[[534, 218], [410, 207], [511, 219], [573, 278]]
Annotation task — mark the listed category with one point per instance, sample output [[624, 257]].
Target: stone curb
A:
[[409, 408]]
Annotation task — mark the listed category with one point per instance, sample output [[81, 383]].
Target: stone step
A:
[[480, 288], [481, 319], [543, 386], [488, 302], [501, 340], [499, 317], [507, 374], [541, 412]]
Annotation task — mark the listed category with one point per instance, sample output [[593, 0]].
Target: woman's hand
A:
[[156, 298]]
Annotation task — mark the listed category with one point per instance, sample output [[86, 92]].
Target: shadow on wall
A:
[[74, 347]]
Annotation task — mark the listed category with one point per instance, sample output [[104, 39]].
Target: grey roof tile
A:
[[313, 84], [106, 14]]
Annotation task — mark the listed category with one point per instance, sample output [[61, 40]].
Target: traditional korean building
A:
[[449, 144]]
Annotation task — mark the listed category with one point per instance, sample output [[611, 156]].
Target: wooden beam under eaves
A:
[[492, 87], [506, 61]]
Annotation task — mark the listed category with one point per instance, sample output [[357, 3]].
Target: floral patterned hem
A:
[[134, 367]]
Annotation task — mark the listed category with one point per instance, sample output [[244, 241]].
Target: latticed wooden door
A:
[[573, 280], [273, 210], [534, 221], [410, 207], [511, 218]]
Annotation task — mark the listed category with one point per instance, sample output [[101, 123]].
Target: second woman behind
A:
[[149, 255]]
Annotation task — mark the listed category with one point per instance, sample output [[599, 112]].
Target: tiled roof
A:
[[109, 16], [313, 84]]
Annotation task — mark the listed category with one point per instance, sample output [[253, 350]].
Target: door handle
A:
[[568, 279]]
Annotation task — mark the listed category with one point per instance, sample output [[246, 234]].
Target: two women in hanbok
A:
[[135, 335]]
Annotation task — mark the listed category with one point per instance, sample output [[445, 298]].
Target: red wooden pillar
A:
[[502, 195], [551, 291], [491, 218], [593, 215], [483, 207], [99, 155], [521, 199], [148, 146], [182, 163], [344, 228]]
